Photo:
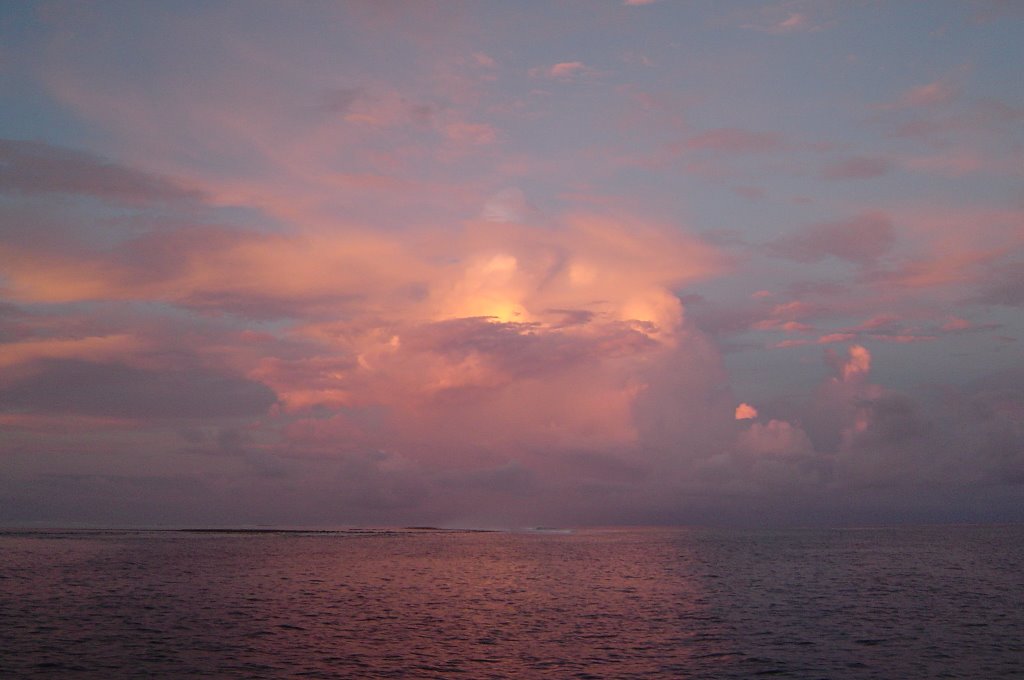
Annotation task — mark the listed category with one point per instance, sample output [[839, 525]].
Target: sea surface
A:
[[931, 602]]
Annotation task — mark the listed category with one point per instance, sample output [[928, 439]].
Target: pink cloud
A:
[[854, 367], [484, 60], [735, 140], [787, 326], [878, 321], [954, 163], [929, 94], [386, 108], [941, 267], [786, 317], [836, 337], [471, 133], [858, 167], [776, 437], [89, 348], [402, 330], [904, 339], [955, 323], [784, 18], [424, 339], [565, 70]]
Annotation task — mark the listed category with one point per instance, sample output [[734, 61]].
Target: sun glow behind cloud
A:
[[419, 270]]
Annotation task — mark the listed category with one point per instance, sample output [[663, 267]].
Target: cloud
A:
[[397, 284], [1003, 285], [90, 348], [933, 95], [785, 18], [786, 317], [929, 94], [76, 387], [954, 323], [564, 70], [381, 108], [471, 133], [856, 365], [795, 21], [947, 264], [735, 140], [542, 338], [745, 412], [507, 205], [40, 168], [835, 337], [340, 100], [960, 162], [860, 240], [749, 192], [420, 339], [776, 437], [858, 167]]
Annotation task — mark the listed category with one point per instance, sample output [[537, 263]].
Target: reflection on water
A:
[[629, 603]]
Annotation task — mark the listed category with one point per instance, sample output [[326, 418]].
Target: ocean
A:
[[924, 602]]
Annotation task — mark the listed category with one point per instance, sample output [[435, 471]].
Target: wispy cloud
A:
[[858, 167], [786, 18], [564, 70], [861, 240]]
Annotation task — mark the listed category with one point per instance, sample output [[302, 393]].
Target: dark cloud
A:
[[108, 499], [572, 317], [341, 99], [1004, 285], [39, 168], [719, 320], [119, 391], [861, 239], [12, 319], [519, 349], [509, 478], [894, 421]]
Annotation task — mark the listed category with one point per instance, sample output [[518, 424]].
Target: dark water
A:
[[879, 603]]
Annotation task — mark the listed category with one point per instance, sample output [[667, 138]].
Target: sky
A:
[[508, 264]]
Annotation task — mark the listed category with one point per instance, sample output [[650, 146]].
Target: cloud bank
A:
[[382, 266]]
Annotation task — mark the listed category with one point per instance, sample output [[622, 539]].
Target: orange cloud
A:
[[745, 412]]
